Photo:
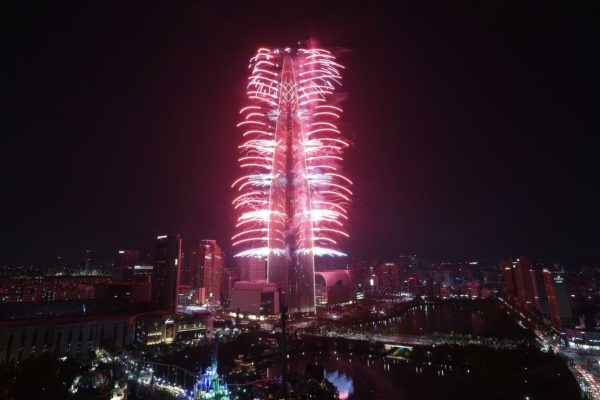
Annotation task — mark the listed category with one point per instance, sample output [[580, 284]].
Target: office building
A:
[[255, 298], [124, 263], [208, 269], [165, 275], [558, 299], [252, 268]]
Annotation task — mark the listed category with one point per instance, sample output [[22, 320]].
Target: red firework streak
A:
[[293, 199]]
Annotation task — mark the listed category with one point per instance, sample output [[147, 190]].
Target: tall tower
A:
[[293, 198], [165, 276], [208, 270]]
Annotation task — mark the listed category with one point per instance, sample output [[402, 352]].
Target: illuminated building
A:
[[165, 275], [558, 299], [389, 277], [333, 287], [157, 328], [292, 199], [73, 336], [252, 268], [208, 269], [125, 261], [255, 298], [211, 386]]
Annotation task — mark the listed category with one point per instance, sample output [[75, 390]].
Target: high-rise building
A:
[[252, 268], [558, 299], [293, 199], [229, 278], [165, 274], [523, 283], [88, 258], [208, 269], [540, 297], [389, 277], [125, 261], [508, 271], [413, 286]]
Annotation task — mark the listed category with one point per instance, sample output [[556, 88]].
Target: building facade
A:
[[558, 299], [63, 336], [165, 274], [255, 298], [208, 270]]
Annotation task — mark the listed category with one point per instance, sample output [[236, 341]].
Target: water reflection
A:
[[450, 317]]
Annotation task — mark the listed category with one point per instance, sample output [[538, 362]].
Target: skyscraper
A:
[[293, 199], [508, 270], [558, 299], [523, 283], [389, 277], [125, 261], [540, 297], [165, 276], [88, 258], [208, 269]]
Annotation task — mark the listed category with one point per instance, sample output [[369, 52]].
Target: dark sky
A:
[[473, 125]]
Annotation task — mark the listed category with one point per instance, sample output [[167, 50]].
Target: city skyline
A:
[[479, 155], [327, 200]]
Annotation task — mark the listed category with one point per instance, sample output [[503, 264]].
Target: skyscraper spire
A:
[[293, 199]]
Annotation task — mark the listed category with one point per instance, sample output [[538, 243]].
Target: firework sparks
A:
[[293, 199]]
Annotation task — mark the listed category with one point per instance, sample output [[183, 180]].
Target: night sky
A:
[[473, 127]]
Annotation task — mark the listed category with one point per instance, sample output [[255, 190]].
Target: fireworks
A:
[[293, 198]]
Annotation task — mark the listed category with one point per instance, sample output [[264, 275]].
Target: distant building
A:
[[252, 268], [256, 298], [508, 271], [333, 287], [191, 296], [124, 263], [141, 289], [389, 277], [540, 297], [473, 289], [486, 292], [165, 276], [208, 270], [158, 328], [413, 286], [558, 299], [143, 270], [88, 258], [524, 284], [73, 336], [228, 279]]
